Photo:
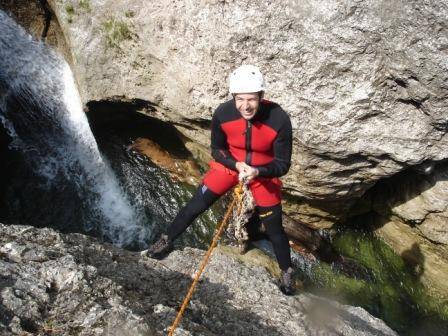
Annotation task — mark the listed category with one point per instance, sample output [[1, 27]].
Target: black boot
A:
[[287, 282], [160, 249]]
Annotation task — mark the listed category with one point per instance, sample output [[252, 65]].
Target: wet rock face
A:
[[363, 81], [414, 198], [428, 209], [71, 284], [428, 261], [179, 170], [30, 14], [412, 216], [38, 20]]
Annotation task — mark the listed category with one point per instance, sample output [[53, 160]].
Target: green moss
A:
[[116, 31], [49, 327], [394, 293], [70, 10], [85, 4]]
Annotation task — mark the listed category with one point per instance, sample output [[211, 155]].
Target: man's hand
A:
[[246, 171], [241, 167]]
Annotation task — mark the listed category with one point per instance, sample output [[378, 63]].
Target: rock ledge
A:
[[72, 284]]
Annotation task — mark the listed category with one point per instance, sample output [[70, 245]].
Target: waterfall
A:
[[41, 110]]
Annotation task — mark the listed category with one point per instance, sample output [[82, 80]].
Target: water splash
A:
[[42, 112]]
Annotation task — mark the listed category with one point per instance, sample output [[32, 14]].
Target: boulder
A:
[[70, 284], [363, 81]]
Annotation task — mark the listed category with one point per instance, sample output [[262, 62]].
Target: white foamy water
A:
[[9, 130], [122, 224], [65, 182]]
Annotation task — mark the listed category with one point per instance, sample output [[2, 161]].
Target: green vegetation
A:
[[70, 10], [389, 288], [85, 4], [129, 13], [116, 31], [49, 327]]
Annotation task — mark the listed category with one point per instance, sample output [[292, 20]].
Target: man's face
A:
[[247, 104]]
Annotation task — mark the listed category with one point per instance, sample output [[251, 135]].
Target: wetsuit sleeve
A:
[[219, 145], [282, 147]]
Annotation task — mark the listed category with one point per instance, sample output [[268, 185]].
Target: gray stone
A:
[[435, 228], [88, 288], [417, 199], [363, 81], [419, 196]]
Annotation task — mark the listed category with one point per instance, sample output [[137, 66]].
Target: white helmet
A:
[[246, 79]]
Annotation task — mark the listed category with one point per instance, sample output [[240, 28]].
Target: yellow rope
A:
[[237, 198]]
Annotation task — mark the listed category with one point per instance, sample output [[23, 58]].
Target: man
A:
[[251, 138]]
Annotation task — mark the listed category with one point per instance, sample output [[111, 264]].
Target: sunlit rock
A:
[[85, 287]]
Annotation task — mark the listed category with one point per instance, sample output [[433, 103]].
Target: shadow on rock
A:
[[154, 292], [415, 259]]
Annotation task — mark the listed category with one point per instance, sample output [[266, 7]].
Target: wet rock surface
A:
[[38, 20], [428, 261], [410, 213], [180, 170], [73, 284]]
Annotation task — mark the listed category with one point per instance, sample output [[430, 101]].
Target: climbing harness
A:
[[236, 208]]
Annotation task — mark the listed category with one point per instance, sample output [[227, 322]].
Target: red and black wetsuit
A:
[[264, 142]]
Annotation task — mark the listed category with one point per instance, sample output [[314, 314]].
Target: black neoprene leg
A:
[[201, 201], [272, 219]]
